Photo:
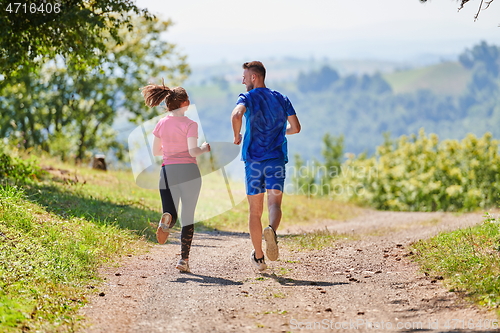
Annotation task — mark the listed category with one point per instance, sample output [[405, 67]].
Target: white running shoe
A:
[[259, 263], [183, 266], [272, 251]]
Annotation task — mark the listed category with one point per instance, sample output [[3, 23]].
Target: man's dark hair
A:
[[257, 67]]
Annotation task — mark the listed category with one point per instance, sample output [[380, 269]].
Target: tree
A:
[[317, 81], [70, 110], [36, 31], [463, 2], [484, 55]]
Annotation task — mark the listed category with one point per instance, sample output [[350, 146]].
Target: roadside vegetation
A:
[[468, 260], [49, 250], [59, 223], [420, 173], [411, 173]]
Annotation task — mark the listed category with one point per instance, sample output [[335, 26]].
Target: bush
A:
[[17, 169], [421, 174]]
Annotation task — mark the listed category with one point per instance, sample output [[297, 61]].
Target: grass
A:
[[47, 263], [296, 210], [55, 232], [468, 259], [315, 240], [54, 235]]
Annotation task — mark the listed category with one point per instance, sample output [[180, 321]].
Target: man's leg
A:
[[256, 206], [274, 206], [274, 198]]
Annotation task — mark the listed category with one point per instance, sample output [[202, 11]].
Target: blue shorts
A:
[[265, 175]]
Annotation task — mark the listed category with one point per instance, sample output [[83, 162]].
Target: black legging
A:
[[181, 182]]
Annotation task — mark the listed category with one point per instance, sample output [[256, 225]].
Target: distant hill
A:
[[288, 69], [365, 100], [447, 78]]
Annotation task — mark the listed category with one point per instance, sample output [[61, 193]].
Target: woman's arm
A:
[[194, 150], [157, 151]]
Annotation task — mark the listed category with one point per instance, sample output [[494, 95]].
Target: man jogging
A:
[[269, 116]]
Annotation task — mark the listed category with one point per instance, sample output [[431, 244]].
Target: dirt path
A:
[[359, 286]]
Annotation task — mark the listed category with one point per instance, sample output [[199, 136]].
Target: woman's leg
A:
[[169, 198], [189, 192]]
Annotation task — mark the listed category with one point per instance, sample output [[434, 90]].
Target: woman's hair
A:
[[154, 94]]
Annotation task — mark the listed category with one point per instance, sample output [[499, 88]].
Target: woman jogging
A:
[[175, 138]]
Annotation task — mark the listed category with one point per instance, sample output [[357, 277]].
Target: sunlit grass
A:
[[468, 259], [56, 232], [48, 262], [315, 240]]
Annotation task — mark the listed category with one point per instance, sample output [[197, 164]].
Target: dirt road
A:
[[366, 285]]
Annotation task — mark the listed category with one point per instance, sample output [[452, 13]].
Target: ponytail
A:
[[155, 94]]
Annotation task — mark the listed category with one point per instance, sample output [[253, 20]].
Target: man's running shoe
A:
[[271, 243], [183, 266], [259, 263], [163, 228]]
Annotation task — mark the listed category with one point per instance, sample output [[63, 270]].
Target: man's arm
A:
[[237, 121], [293, 126]]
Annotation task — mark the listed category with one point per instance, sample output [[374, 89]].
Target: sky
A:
[[398, 30]]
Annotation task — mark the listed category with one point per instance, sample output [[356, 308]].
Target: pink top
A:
[[173, 132]]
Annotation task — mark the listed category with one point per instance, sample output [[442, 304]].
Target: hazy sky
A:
[[209, 31]]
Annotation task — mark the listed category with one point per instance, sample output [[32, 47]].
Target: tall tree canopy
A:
[[75, 29], [70, 111]]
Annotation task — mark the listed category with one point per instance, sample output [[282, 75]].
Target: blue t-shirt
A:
[[266, 120]]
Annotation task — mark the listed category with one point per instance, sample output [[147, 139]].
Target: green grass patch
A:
[[14, 169], [296, 209], [58, 228], [50, 251], [468, 259], [315, 240]]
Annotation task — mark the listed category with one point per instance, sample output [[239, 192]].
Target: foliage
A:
[[421, 174], [317, 81], [17, 169], [304, 178], [48, 264], [484, 55], [76, 30], [467, 259], [70, 112], [312, 179], [363, 107]]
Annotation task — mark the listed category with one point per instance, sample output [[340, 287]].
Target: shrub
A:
[[420, 173]]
